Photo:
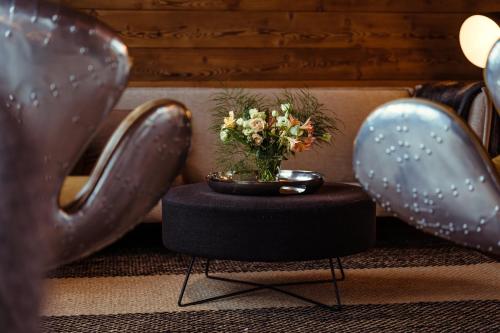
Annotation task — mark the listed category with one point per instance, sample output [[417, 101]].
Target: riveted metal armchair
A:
[[61, 72], [422, 163]]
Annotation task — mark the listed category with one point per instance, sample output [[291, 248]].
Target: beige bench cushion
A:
[[352, 105]]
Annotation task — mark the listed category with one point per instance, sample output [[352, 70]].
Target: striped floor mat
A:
[[409, 282]]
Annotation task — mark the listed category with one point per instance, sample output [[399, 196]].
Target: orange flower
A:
[[308, 142], [298, 146], [293, 121], [308, 126]]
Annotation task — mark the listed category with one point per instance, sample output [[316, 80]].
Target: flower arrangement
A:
[[257, 133]]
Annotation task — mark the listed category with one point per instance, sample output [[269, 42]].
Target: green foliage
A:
[[239, 153]]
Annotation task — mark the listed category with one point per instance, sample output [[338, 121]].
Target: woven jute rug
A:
[[409, 282]]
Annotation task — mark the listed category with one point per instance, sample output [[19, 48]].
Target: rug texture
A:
[[410, 282]]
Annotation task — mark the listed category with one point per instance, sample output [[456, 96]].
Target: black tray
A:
[[290, 182]]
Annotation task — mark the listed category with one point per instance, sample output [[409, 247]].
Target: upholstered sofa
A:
[[351, 105]]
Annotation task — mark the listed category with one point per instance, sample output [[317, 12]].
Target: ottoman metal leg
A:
[[259, 286]]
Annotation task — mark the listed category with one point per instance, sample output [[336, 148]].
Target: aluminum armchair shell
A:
[[422, 163], [61, 73]]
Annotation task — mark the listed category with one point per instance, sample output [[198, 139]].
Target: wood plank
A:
[[281, 84], [455, 6], [300, 64], [283, 29]]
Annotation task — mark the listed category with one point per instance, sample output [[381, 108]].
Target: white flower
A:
[[224, 136], [292, 143], [285, 107], [253, 112], [274, 113], [257, 124], [283, 121], [296, 131], [239, 122], [257, 139], [247, 131]]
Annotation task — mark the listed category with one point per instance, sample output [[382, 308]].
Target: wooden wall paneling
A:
[[289, 43], [450, 6], [298, 64], [283, 29]]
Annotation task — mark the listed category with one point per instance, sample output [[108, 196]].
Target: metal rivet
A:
[[482, 179], [55, 17], [72, 29], [371, 128], [8, 34]]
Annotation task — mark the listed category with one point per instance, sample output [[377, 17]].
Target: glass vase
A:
[[268, 169]]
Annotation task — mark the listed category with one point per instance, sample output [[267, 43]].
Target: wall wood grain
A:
[[282, 42]]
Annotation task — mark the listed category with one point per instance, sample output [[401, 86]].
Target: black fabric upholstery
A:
[[336, 221], [460, 96]]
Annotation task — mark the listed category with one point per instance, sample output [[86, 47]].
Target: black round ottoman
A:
[[336, 221]]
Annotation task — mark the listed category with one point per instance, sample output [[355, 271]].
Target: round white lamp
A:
[[478, 34]]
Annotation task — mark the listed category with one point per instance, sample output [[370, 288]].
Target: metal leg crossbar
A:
[[259, 286]]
